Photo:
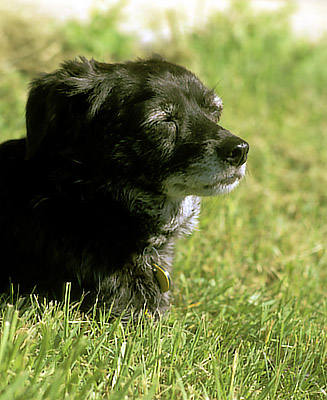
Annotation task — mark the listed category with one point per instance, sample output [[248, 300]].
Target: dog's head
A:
[[150, 124]]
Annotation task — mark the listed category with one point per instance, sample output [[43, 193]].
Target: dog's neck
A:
[[175, 216]]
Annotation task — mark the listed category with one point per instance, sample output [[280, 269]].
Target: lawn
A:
[[248, 320]]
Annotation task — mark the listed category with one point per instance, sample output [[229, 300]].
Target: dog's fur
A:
[[109, 176]]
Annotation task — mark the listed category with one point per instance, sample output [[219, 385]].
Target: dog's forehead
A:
[[169, 81], [173, 87]]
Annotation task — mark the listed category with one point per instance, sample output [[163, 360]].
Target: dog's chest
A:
[[186, 218], [177, 220]]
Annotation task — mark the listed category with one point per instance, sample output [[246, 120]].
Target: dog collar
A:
[[162, 276]]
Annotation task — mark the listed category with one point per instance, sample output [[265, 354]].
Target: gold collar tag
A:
[[163, 278]]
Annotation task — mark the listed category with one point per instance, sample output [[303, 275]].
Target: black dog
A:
[[108, 178]]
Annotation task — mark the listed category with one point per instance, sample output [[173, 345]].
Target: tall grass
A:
[[248, 319]]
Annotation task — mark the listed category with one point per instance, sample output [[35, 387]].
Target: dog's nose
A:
[[234, 151]]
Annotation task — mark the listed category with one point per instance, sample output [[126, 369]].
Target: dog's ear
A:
[[37, 117], [55, 114], [58, 105]]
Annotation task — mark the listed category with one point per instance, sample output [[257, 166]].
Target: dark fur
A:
[[108, 178]]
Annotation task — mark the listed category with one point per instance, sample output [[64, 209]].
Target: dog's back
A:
[[49, 236]]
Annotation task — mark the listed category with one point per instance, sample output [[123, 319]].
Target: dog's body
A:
[[109, 176]]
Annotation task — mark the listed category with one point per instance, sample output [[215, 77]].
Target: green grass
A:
[[248, 320]]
